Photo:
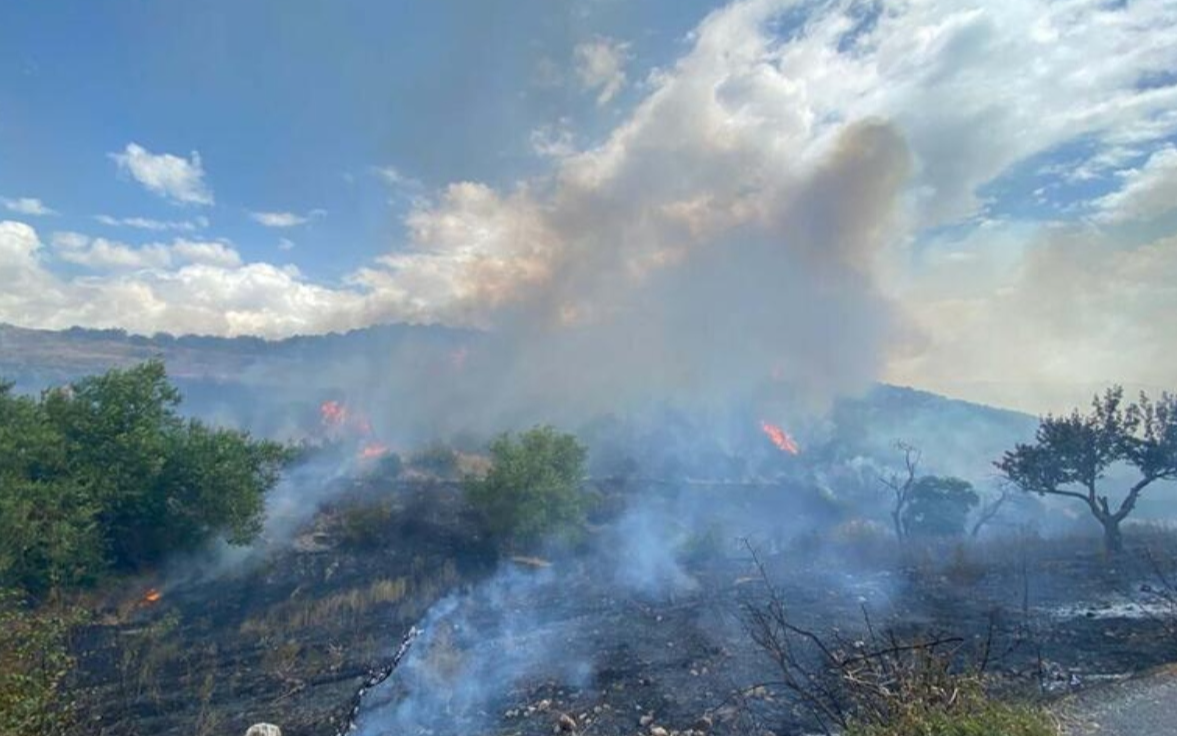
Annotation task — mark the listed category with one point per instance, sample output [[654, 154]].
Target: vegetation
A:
[[969, 712], [437, 459], [938, 507], [34, 662], [104, 475], [882, 684], [1072, 455], [533, 486]]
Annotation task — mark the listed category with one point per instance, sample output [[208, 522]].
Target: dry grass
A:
[[340, 608]]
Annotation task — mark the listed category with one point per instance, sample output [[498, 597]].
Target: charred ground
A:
[[601, 637]]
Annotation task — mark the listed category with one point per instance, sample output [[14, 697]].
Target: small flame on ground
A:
[[783, 441], [152, 596], [373, 451], [333, 414]]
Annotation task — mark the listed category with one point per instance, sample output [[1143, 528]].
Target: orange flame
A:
[[373, 451], [152, 596], [780, 438], [333, 414]]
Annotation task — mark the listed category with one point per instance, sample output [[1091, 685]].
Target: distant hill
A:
[[36, 358], [275, 387]]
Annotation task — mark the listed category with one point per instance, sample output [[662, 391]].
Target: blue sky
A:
[[291, 105], [960, 195]]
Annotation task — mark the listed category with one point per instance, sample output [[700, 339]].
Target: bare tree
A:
[[990, 510], [1071, 455], [900, 484]]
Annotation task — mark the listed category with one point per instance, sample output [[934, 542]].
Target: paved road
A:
[[1141, 707]]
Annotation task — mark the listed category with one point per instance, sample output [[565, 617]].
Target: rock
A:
[[263, 729], [658, 731], [646, 720], [565, 724], [703, 724]]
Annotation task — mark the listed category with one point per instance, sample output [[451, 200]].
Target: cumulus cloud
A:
[[600, 66], [172, 177], [185, 287], [1147, 192], [285, 219], [27, 206], [765, 208]]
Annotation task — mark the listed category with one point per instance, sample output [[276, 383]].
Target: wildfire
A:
[[333, 414], [373, 450], [783, 441], [152, 596]]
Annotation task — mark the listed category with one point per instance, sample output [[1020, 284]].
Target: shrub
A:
[[532, 488], [939, 507], [365, 526], [971, 713], [34, 662], [436, 459], [105, 474]]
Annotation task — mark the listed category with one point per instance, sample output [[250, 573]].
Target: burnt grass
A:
[[291, 638]]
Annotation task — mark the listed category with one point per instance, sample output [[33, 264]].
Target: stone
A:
[[566, 723], [263, 729]]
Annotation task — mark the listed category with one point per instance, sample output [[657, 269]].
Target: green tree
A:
[[105, 474], [533, 486], [939, 507], [1071, 456]]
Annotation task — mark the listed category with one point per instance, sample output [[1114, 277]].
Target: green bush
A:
[[532, 489], [365, 526], [979, 717], [105, 475], [34, 663], [939, 507]]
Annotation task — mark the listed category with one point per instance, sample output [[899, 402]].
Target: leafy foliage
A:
[[939, 507], [970, 713], [533, 486], [1071, 455], [34, 662], [105, 475]]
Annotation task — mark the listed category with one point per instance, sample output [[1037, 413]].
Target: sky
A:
[[983, 194]]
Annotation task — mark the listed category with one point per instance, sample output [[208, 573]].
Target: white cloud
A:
[[285, 244], [600, 66], [1147, 192], [101, 254], [285, 219], [746, 210], [173, 177], [554, 141], [27, 206], [145, 223], [188, 287], [207, 253]]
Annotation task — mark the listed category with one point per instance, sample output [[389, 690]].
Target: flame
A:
[[780, 438], [373, 450], [152, 596], [333, 414]]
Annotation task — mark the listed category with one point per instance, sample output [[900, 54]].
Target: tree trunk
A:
[[1113, 538]]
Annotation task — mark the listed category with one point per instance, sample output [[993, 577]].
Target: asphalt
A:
[[1144, 706]]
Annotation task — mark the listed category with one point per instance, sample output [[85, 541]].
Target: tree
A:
[[989, 510], [533, 486], [105, 474], [1071, 455], [900, 484], [938, 506]]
